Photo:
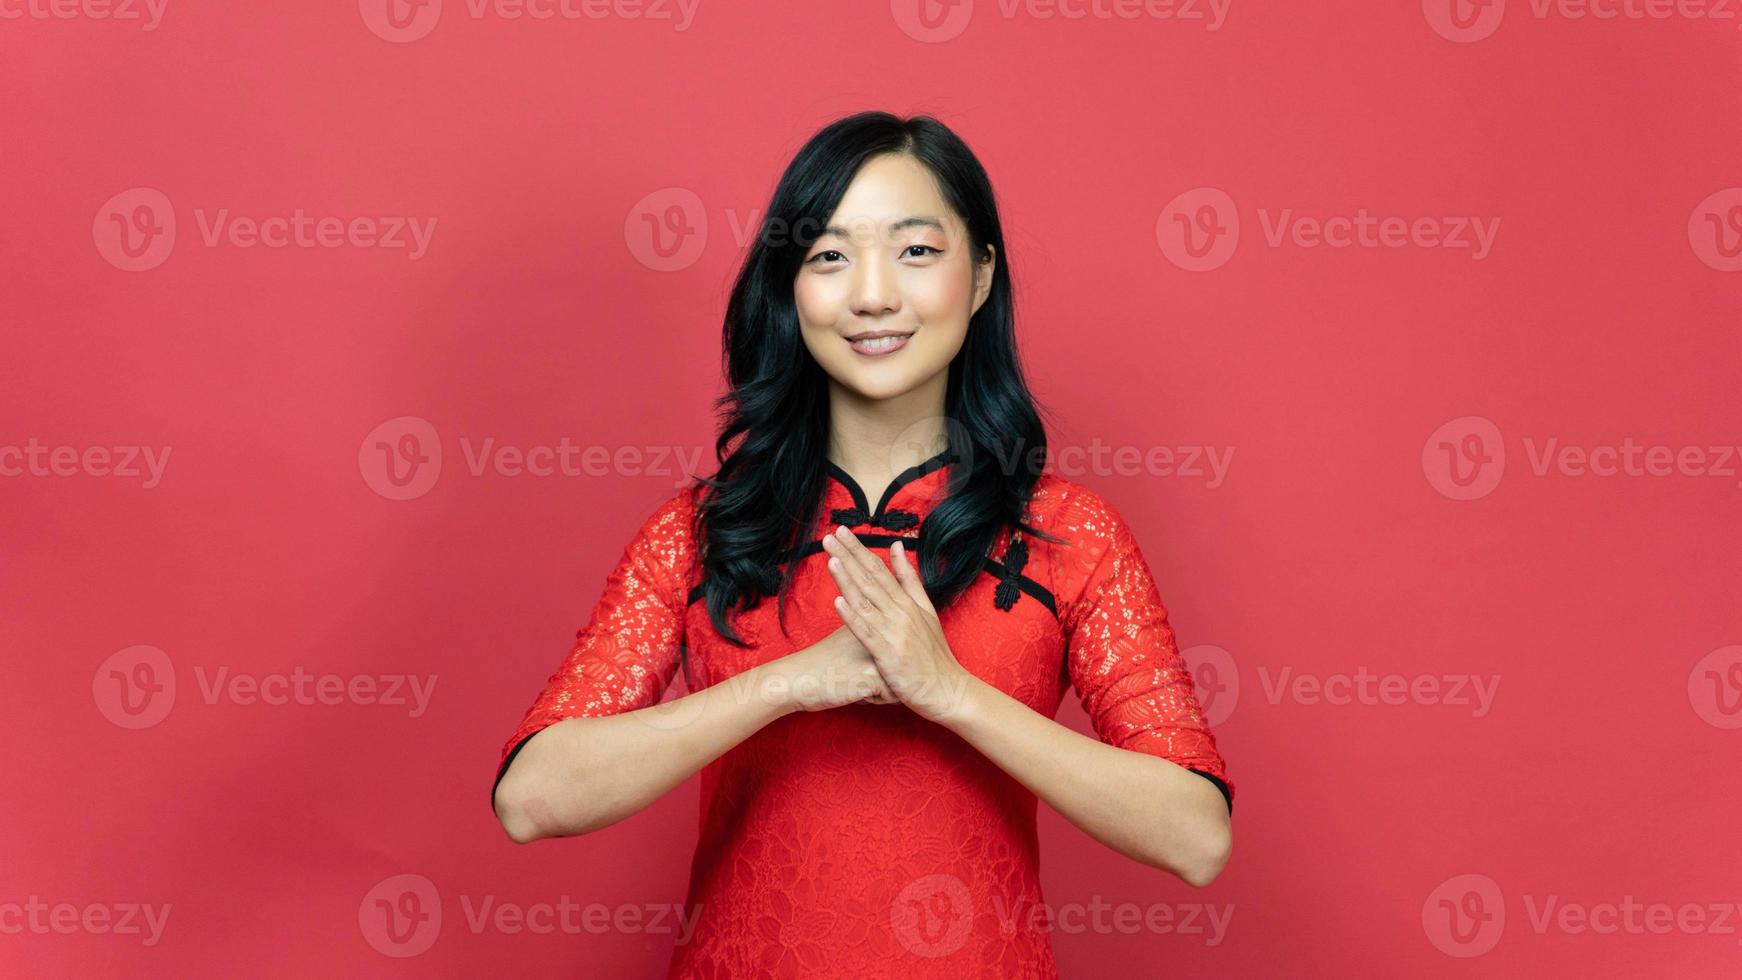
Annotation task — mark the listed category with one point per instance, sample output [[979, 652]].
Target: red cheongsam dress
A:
[[865, 841]]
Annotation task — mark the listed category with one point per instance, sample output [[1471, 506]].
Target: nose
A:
[[875, 288]]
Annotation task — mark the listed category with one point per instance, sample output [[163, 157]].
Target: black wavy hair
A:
[[773, 431]]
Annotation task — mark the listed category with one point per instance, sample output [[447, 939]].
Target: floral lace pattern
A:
[[863, 841]]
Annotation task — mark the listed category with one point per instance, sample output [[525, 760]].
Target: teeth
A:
[[880, 343]]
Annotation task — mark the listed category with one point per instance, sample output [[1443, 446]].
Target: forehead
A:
[[891, 192]]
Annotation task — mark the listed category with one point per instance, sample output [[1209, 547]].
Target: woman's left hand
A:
[[893, 617]]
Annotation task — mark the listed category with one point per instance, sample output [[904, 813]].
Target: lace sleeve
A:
[[1123, 662], [629, 650]]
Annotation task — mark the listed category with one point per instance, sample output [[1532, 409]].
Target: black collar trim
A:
[[902, 479], [994, 568], [1010, 577]]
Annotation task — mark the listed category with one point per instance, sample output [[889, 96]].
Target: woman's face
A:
[[894, 259]]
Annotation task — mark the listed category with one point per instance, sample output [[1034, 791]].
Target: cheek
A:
[[943, 297], [816, 304]]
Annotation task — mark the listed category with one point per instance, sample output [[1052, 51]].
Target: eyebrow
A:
[[920, 221]]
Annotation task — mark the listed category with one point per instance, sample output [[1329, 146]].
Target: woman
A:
[[876, 737]]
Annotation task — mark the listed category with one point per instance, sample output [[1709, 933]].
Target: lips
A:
[[878, 343]]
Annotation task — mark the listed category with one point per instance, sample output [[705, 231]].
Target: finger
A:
[[856, 623], [857, 586], [866, 685], [874, 574], [853, 588], [877, 692], [843, 555], [908, 576]]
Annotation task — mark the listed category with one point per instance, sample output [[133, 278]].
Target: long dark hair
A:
[[764, 501]]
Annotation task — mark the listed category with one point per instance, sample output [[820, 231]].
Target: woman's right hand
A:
[[831, 672]]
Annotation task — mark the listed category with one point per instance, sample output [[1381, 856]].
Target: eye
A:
[[821, 256], [928, 248]]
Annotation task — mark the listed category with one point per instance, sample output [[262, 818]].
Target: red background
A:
[[1605, 769]]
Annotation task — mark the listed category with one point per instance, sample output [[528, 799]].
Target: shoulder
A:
[[1093, 535], [1086, 519], [666, 538], [676, 510]]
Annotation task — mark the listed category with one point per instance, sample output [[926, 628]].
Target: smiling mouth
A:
[[875, 343]]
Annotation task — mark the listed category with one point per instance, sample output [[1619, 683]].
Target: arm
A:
[[582, 774], [610, 683], [1147, 808], [1137, 690]]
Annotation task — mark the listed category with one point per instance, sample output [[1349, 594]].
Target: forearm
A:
[[1142, 806], [582, 774]]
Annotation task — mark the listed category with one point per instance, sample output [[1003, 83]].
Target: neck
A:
[[875, 438]]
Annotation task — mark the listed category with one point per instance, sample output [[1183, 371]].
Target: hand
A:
[[893, 617], [831, 672]]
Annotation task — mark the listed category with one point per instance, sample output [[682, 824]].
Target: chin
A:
[[878, 386]]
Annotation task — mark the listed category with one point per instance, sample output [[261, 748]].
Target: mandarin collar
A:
[[910, 495]]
